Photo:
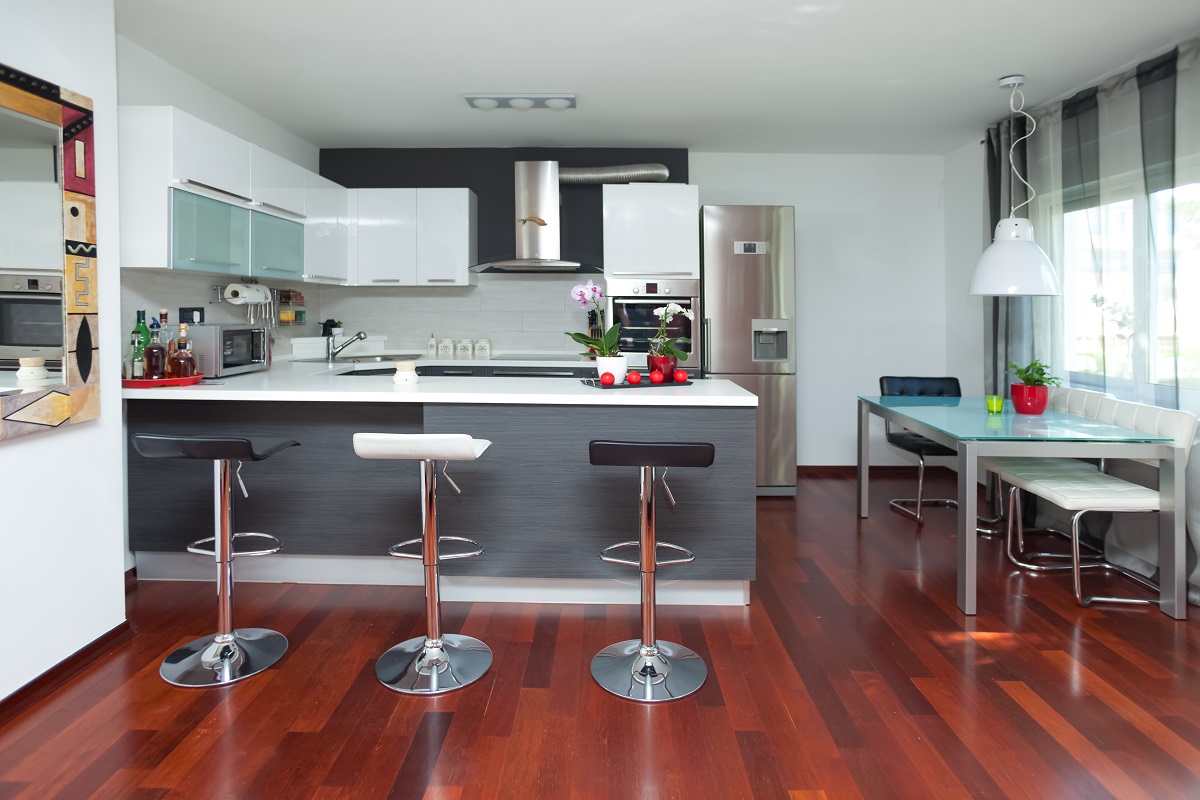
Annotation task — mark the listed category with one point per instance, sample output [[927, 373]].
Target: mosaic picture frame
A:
[[77, 399]]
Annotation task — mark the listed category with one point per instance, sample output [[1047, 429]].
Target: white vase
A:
[[617, 365]]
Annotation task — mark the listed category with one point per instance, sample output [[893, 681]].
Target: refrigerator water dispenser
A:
[[769, 340]]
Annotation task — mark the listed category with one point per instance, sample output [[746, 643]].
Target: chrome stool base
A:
[[668, 672], [208, 662], [420, 666]]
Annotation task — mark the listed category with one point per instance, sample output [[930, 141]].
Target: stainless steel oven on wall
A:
[[631, 302], [31, 319]]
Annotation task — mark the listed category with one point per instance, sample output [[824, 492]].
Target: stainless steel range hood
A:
[[537, 224]]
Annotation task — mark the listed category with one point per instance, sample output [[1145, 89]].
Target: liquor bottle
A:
[[165, 330], [137, 354], [181, 363], [154, 357], [138, 341]]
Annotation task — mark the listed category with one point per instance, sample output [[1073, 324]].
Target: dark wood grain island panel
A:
[[541, 510], [533, 500]]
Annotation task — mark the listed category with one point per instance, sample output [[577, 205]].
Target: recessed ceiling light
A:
[[523, 101]]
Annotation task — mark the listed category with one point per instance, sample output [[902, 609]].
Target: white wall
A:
[[870, 276], [144, 79], [967, 234], [62, 572]]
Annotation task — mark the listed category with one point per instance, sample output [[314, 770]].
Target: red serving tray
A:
[[596, 384], [142, 383]]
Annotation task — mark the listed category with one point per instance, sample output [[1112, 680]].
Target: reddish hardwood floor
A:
[[851, 674]]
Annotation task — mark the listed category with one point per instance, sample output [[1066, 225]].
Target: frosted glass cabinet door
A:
[[208, 235], [277, 247]]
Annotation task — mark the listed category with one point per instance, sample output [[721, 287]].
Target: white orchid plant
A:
[[660, 344], [589, 296]]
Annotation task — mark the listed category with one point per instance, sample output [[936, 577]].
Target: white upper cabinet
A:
[[276, 184], [31, 237], [445, 237], [651, 230], [204, 156], [384, 238], [327, 217]]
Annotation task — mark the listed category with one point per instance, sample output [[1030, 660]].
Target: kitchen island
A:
[[541, 511]]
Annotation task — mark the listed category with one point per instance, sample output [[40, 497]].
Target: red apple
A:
[[657, 377], [607, 379], [633, 378], [680, 376]]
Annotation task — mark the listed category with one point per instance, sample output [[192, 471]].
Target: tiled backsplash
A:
[[519, 313]]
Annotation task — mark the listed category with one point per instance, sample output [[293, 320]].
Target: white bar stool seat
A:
[[436, 662]]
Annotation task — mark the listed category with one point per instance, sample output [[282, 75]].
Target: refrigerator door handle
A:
[[707, 354]]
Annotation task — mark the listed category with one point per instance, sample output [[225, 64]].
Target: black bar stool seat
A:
[[648, 670], [214, 448], [231, 654]]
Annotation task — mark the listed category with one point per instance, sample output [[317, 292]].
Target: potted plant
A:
[[606, 346], [663, 353], [1031, 395]]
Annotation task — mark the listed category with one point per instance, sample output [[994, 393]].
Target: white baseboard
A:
[[387, 571]]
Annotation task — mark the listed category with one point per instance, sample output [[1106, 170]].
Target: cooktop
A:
[[537, 357]]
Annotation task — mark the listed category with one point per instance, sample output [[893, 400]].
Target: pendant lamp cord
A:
[[1013, 108]]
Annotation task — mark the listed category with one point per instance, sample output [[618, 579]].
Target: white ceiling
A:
[[807, 76]]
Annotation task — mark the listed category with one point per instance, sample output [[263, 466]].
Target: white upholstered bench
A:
[[1080, 486]]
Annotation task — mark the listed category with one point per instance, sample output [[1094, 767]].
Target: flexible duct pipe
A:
[[627, 173]]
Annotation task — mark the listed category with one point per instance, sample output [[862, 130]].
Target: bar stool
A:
[[230, 654], [648, 670], [436, 662]]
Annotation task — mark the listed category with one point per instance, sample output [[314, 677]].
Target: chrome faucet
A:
[[331, 352]]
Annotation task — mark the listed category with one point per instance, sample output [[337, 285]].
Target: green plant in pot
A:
[[605, 348], [1031, 395], [664, 352]]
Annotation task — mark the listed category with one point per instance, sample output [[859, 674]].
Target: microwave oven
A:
[[224, 350]]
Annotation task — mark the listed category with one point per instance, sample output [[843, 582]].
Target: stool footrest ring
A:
[[198, 548], [688, 557], [395, 550]]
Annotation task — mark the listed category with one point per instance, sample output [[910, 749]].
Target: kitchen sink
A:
[[363, 359], [380, 371]]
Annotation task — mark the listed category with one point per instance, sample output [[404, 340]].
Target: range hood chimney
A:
[[537, 223]]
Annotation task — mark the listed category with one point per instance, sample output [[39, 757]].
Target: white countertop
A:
[[10, 384], [309, 382]]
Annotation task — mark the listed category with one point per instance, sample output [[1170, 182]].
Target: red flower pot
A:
[[1030, 399], [664, 364]]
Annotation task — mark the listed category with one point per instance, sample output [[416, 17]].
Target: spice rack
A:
[[289, 307]]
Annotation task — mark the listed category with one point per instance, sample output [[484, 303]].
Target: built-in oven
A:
[[632, 303], [31, 319]]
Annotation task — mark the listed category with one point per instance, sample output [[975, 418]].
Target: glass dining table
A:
[[964, 425]]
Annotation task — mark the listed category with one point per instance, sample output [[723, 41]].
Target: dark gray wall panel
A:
[[532, 500]]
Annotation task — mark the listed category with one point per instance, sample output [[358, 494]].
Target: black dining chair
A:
[[920, 446]]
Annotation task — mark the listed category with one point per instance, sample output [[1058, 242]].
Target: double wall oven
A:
[[631, 302], [31, 319]]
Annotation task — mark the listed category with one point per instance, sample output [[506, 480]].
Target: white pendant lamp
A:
[[1013, 264]]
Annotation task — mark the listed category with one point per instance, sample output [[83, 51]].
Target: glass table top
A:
[[967, 418]]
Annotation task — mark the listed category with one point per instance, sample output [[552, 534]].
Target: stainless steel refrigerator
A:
[[748, 290]]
